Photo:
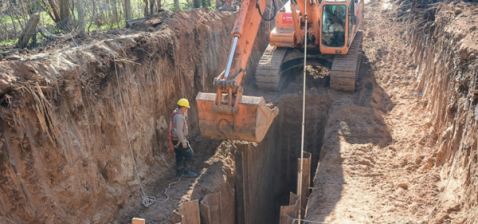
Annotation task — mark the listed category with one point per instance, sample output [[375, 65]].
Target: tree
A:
[[64, 9], [197, 4], [52, 10]]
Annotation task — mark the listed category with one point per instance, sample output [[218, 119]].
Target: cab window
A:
[[351, 22], [333, 25]]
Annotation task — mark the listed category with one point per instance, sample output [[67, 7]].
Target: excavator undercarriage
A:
[[276, 61]]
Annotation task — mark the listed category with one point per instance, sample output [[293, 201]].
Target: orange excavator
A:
[[333, 40]]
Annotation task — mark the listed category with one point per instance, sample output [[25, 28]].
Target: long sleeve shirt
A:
[[178, 132]]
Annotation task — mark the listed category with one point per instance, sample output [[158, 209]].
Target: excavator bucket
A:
[[249, 122]]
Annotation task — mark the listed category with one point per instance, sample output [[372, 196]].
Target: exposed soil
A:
[[80, 125], [84, 125], [383, 159]]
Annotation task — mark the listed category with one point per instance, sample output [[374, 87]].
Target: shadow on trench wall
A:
[[266, 172], [354, 120]]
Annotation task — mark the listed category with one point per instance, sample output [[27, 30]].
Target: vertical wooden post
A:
[[305, 180], [239, 154], [64, 9], [187, 212], [138, 221], [29, 31], [127, 9], [210, 209]]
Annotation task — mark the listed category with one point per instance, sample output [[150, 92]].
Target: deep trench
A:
[[270, 168], [96, 180]]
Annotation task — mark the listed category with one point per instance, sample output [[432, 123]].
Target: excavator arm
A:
[[228, 114]]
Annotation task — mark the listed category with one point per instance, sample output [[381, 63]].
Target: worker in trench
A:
[[177, 139]]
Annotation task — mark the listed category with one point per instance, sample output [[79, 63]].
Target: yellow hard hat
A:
[[183, 102]]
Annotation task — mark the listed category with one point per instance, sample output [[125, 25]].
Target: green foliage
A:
[[10, 42], [99, 15]]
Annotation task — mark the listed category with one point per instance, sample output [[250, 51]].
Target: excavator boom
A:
[[227, 114]]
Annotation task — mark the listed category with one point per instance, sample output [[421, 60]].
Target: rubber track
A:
[[268, 73], [345, 68]]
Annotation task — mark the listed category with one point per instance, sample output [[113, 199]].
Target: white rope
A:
[[147, 200], [166, 191], [308, 221], [299, 190]]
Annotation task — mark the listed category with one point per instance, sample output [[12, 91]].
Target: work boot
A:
[[187, 165], [179, 171]]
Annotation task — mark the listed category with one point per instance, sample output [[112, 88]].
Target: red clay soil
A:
[[403, 148], [80, 125]]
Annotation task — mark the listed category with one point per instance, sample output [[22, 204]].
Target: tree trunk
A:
[[197, 4], [127, 10], [54, 8], [81, 17], [146, 11], [64, 9], [151, 7], [176, 3], [29, 31]]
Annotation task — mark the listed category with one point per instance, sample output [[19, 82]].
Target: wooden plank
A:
[[138, 221], [240, 199], [211, 209], [290, 212], [187, 212], [306, 163], [287, 214], [205, 213]]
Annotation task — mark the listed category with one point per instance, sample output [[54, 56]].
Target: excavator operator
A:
[[177, 139], [337, 27]]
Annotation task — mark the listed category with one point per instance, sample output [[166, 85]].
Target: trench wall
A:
[[266, 172], [445, 51], [64, 153]]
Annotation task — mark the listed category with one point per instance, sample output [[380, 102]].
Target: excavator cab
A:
[[339, 25]]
